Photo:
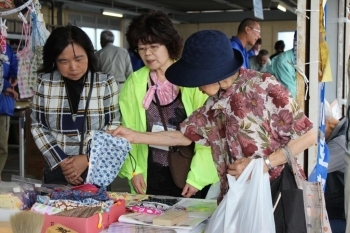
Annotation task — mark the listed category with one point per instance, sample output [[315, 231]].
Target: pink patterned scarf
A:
[[166, 91]]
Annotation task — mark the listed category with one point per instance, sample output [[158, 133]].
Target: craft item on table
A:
[[140, 209], [58, 228], [86, 188], [130, 199], [45, 209], [106, 157], [43, 199], [170, 218], [164, 199], [9, 201], [81, 212], [27, 221], [77, 195], [126, 227], [155, 205], [69, 204]]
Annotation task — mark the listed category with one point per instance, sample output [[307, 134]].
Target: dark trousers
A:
[[160, 182]]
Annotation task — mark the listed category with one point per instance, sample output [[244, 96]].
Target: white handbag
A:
[[247, 206]]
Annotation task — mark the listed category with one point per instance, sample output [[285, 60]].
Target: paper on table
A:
[[133, 228], [120, 227], [147, 219], [198, 207]]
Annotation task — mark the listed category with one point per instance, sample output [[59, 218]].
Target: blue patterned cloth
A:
[[107, 155], [77, 195]]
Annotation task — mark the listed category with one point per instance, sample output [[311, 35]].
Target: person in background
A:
[[334, 192], [61, 122], [136, 61], [8, 80], [112, 59], [282, 67], [261, 62], [279, 48], [254, 51], [248, 114], [247, 35], [154, 38]]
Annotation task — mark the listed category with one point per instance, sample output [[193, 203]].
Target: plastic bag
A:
[[247, 206]]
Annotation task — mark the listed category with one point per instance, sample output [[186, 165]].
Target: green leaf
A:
[[300, 114], [262, 129], [263, 136], [249, 131], [241, 125], [252, 120]]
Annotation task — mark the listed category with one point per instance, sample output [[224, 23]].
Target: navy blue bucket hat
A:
[[207, 58]]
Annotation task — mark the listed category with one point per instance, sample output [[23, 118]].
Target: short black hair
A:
[[154, 27], [59, 39], [246, 22]]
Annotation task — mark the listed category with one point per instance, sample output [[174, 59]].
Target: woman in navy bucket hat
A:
[[194, 69], [248, 115]]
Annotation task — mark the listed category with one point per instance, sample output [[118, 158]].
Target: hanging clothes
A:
[[25, 86]]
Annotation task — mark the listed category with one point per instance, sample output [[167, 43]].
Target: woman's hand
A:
[[189, 190], [123, 132], [73, 167], [236, 168], [139, 184]]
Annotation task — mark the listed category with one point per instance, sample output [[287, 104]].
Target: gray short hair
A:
[[107, 36]]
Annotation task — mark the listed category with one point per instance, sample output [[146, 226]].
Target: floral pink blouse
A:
[[253, 118]]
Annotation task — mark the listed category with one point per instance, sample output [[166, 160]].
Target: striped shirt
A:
[[56, 132]]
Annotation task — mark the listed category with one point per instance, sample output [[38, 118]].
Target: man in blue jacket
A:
[[8, 79], [247, 34]]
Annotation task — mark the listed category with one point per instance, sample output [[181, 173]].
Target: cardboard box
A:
[[87, 225]]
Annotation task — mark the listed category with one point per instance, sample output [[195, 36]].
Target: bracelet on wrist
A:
[[268, 163], [288, 154]]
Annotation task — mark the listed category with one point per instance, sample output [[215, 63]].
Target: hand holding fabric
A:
[[123, 132]]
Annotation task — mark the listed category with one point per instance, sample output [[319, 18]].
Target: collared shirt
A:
[[282, 67], [254, 64], [115, 61], [237, 44], [55, 132], [252, 118]]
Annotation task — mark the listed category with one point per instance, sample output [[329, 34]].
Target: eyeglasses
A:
[[152, 49], [257, 30]]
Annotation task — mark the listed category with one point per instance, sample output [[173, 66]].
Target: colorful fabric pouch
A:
[[106, 157]]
